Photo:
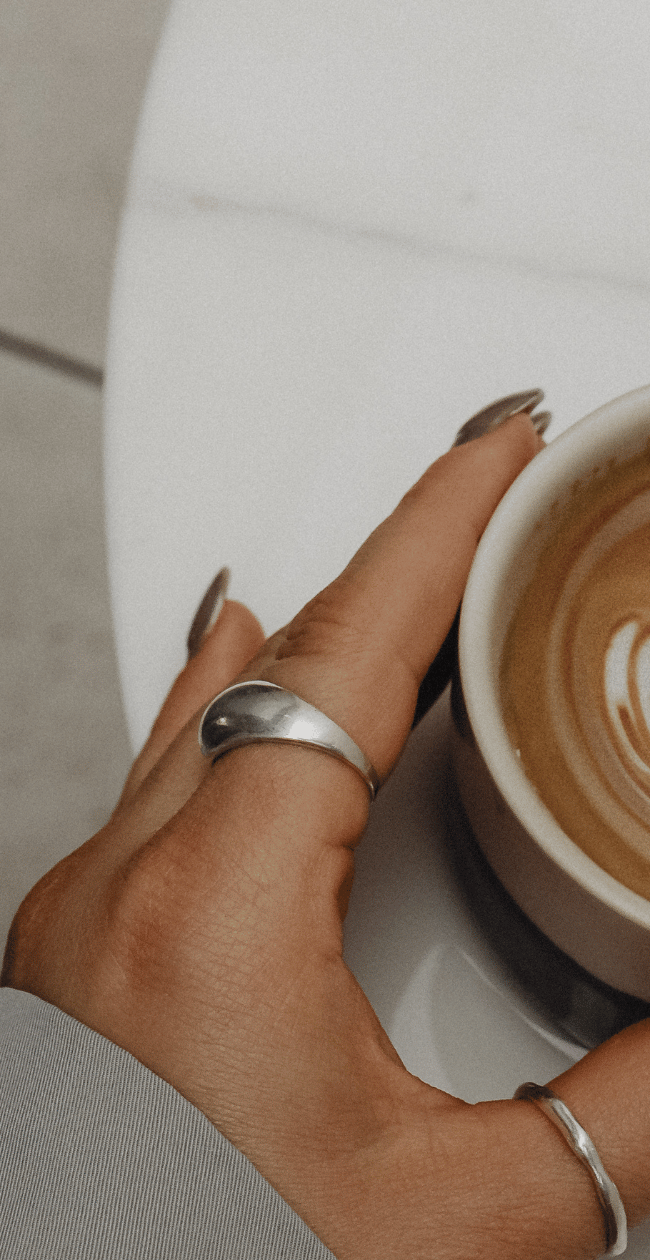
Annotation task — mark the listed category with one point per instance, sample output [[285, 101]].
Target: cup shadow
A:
[[585, 1008]]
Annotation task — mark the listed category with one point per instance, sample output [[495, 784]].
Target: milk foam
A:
[[598, 675], [575, 674]]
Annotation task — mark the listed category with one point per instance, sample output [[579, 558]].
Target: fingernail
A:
[[208, 612], [541, 421], [492, 416]]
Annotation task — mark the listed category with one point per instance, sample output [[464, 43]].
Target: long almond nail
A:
[[208, 612], [492, 416]]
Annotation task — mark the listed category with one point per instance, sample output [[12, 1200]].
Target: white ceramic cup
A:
[[592, 917]]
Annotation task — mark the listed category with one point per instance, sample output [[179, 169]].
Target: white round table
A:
[[348, 228]]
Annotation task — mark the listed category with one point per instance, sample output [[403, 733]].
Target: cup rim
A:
[[527, 499]]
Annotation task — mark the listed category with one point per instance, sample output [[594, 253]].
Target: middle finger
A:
[[223, 653]]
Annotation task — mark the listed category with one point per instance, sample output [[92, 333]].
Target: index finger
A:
[[361, 648]]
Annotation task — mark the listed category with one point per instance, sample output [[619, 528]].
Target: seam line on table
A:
[[156, 195]]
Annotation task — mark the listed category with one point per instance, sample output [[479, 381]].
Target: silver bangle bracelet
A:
[[582, 1146], [261, 712]]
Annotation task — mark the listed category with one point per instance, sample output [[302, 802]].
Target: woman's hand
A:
[[201, 929]]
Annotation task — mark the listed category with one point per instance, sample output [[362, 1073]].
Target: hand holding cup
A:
[[201, 929]]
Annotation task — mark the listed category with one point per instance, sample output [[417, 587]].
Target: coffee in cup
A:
[[575, 670], [550, 741]]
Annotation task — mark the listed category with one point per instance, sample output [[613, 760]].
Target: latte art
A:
[[626, 693], [576, 673], [598, 646]]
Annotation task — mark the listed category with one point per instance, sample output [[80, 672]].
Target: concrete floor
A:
[[72, 78]]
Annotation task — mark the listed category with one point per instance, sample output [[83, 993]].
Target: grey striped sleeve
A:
[[102, 1160]]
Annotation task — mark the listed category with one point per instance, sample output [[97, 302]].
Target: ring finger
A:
[[223, 652]]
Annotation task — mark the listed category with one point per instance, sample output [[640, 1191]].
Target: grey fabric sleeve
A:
[[102, 1160]]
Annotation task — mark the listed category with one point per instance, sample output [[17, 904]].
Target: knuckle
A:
[[325, 626], [80, 938], [10, 973], [32, 929], [134, 907], [142, 925]]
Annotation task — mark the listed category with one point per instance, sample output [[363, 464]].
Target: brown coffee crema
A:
[[575, 674]]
